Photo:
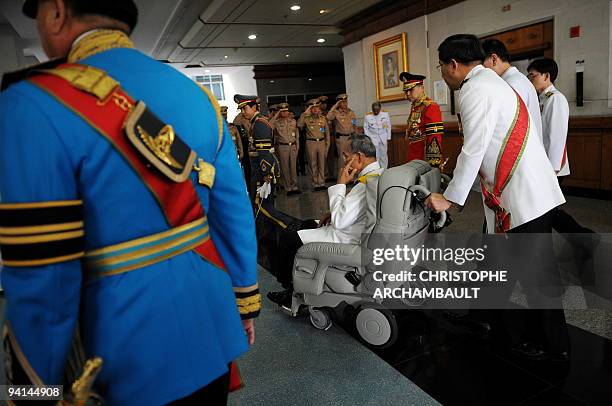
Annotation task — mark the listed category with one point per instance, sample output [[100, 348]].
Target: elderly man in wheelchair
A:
[[327, 267], [352, 213]]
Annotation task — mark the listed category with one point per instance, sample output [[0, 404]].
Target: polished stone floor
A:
[[457, 367]]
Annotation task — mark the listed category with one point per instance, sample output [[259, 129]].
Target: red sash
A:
[[179, 201], [507, 161]]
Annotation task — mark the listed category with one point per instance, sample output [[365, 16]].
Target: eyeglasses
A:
[[533, 75], [440, 65]]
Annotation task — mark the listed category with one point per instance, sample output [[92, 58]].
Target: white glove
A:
[[264, 190]]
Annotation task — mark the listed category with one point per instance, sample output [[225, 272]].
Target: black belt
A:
[[287, 143], [343, 135], [315, 139]]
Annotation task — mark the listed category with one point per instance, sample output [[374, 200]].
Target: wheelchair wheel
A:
[[320, 318], [376, 326]]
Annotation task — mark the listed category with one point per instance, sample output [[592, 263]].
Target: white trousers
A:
[[381, 154]]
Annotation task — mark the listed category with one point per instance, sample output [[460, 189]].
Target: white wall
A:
[[236, 79], [481, 17], [9, 60]]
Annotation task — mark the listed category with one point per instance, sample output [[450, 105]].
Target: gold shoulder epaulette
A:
[[548, 94], [10, 78], [427, 101], [86, 78]]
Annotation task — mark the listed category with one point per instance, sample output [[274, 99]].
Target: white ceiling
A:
[[206, 31]]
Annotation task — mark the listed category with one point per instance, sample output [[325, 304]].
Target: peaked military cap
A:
[[283, 107], [342, 96], [122, 10], [411, 80], [323, 99], [313, 103], [242, 100]]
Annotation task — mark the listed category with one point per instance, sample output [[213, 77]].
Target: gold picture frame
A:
[[389, 61]]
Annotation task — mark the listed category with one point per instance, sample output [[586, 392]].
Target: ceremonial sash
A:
[[179, 201], [507, 161]]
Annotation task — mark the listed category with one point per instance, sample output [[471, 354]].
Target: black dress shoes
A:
[[529, 352], [281, 298]]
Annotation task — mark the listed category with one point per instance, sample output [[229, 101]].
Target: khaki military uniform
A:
[[286, 140], [344, 122], [235, 133], [316, 131]]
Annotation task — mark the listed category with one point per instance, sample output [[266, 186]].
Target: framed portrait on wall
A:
[[389, 61]]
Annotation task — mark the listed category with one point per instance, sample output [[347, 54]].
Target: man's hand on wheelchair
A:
[[438, 203], [325, 220]]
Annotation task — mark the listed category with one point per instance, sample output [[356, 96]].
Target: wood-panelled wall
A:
[[589, 148]]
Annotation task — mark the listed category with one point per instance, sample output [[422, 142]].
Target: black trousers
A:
[[288, 245], [563, 223], [215, 393], [545, 327]]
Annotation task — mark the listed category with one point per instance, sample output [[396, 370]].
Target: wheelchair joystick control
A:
[[353, 278]]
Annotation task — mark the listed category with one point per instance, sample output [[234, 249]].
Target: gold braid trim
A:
[[217, 108], [248, 301], [98, 41]]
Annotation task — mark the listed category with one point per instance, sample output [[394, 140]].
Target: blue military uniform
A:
[[163, 330]]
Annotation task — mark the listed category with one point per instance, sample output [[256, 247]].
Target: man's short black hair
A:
[[463, 48], [494, 46], [545, 65]]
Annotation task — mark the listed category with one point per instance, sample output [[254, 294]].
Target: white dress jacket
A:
[[488, 106], [555, 120], [352, 214]]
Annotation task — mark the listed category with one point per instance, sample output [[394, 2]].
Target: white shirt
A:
[[525, 89], [377, 127], [352, 214], [555, 120], [488, 106]]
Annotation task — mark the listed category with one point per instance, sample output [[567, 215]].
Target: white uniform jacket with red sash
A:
[[501, 146], [135, 243]]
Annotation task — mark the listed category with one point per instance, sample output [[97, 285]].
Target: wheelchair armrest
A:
[[331, 253]]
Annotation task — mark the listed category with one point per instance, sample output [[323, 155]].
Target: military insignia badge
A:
[[158, 143]]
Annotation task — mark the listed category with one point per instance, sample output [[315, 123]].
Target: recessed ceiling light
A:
[[225, 56], [207, 71], [287, 56], [271, 81], [321, 40], [322, 11], [295, 8], [310, 79], [252, 36]]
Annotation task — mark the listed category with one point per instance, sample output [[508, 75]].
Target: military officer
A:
[[331, 163], [272, 109], [344, 122], [377, 126], [117, 248], [425, 127], [286, 141], [235, 133], [265, 168], [316, 132]]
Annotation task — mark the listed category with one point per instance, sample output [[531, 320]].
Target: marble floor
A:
[[456, 367]]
